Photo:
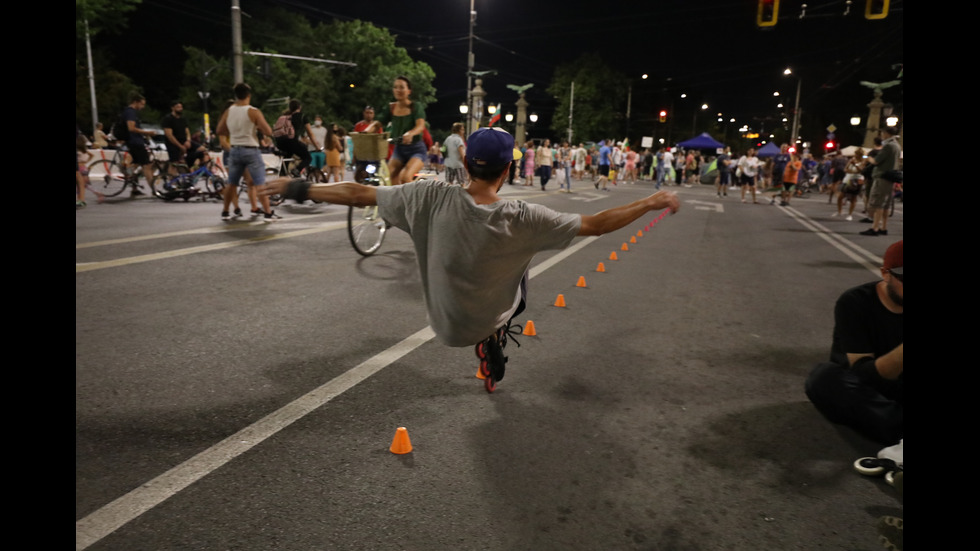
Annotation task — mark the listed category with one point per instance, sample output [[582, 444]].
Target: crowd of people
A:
[[326, 149]]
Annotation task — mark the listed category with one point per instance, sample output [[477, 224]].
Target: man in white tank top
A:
[[240, 122]]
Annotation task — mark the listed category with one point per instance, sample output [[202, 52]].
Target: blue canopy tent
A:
[[768, 150], [704, 141]]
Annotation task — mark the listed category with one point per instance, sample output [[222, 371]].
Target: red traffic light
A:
[[663, 115], [830, 145]]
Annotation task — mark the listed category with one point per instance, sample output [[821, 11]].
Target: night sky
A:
[[710, 50]]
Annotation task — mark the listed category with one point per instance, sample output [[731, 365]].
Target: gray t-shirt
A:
[[453, 160], [472, 257]]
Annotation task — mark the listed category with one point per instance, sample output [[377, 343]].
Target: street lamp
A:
[[796, 109]]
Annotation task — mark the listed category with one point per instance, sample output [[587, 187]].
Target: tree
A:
[[95, 16], [599, 100], [337, 92]]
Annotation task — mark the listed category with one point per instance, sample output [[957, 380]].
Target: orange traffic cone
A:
[[529, 329], [581, 282], [633, 239], [639, 233], [560, 301], [624, 247], [612, 256], [401, 443], [601, 267]]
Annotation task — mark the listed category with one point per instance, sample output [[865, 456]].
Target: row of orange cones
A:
[[402, 444]]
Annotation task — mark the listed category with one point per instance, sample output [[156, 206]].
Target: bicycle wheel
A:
[[214, 185], [366, 229], [107, 177]]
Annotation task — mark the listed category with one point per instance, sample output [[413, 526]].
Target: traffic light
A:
[[831, 145], [663, 115], [876, 9], [768, 13]]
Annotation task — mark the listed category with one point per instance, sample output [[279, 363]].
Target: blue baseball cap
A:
[[491, 147]]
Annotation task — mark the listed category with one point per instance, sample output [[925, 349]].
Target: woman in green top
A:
[[407, 123]]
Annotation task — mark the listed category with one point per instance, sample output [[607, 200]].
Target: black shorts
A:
[[139, 153], [603, 170]]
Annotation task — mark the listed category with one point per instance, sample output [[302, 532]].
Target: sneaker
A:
[[225, 215], [896, 453], [238, 213], [256, 212], [79, 204], [890, 531], [783, 204], [835, 215], [882, 232], [596, 183], [271, 217], [869, 231], [866, 220], [849, 218]]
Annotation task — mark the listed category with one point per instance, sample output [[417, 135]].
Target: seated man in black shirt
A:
[[863, 385]]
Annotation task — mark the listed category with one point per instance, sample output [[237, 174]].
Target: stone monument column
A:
[[520, 135]]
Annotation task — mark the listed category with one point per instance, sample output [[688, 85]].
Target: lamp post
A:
[[794, 133]]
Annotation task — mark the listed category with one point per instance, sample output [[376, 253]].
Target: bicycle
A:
[[365, 227], [111, 176], [183, 185]]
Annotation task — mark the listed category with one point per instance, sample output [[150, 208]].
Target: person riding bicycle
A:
[[292, 144], [473, 247], [407, 120], [360, 167]]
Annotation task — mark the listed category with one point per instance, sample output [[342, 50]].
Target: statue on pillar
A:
[[519, 134], [874, 109]]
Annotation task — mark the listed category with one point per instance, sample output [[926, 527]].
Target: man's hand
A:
[[665, 200]]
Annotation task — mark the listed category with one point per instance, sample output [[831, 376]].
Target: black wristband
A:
[[298, 190]]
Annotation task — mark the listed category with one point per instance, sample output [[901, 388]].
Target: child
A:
[[82, 157], [790, 175]]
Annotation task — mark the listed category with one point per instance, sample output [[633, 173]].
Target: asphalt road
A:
[[238, 386]]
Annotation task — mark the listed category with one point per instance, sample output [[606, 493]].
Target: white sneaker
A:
[[849, 218], [896, 453]]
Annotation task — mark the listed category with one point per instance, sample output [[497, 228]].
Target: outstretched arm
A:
[[618, 217], [341, 193]]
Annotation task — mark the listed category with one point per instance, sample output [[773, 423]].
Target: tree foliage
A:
[[599, 99], [102, 15], [337, 92]]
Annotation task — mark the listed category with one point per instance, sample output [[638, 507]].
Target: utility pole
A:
[[469, 74], [236, 42], [91, 78]]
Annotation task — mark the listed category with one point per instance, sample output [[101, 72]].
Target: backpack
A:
[[284, 127], [120, 130]]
